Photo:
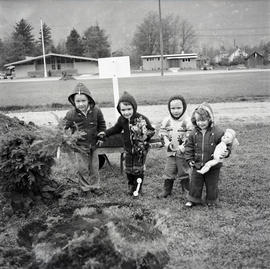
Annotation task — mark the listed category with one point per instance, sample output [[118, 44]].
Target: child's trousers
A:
[[177, 168], [210, 179], [88, 170]]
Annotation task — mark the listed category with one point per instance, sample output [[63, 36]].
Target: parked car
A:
[[6, 75], [207, 67]]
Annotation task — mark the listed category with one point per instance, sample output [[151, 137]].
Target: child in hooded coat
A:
[[199, 150], [86, 117], [137, 131], [174, 131]]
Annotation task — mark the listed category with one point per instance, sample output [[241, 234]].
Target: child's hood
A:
[[126, 97], [81, 89], [206, 107], [182, 99]]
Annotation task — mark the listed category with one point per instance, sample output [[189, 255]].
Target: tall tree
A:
[[74, 43], [95, 43], [47, 36], [23, 39]]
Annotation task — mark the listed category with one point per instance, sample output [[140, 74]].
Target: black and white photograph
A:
[[134, 134]]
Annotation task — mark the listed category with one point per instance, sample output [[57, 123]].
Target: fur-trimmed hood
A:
[[81, 89]]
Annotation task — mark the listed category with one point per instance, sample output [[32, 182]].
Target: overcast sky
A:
[[216, 22]]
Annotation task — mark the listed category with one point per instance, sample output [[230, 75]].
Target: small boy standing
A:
[[86, 117], [137, 131], [174, 131], [199, 150]]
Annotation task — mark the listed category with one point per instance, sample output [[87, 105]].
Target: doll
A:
[[229, 138]]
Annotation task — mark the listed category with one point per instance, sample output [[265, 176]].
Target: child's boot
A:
[[185, 184], [167, 188], [131, 183]]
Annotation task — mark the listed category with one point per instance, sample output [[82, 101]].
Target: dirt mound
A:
[[92, 237], [7, 124]]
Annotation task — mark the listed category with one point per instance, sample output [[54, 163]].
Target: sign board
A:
[[114, 67]]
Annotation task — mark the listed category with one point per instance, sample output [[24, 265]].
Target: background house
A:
[[238, 53], [56, 64], [255, 59], [181, 61]]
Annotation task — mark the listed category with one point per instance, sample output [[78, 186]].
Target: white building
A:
[[55, 65], [181, 61]]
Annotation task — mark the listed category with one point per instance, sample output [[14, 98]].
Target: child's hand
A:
[[99, 143], [191, 163], [181, 148], [171, 148], [224, 154]]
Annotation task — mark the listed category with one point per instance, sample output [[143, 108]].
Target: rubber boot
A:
[[185, 185], [131, 183], [167, 188]]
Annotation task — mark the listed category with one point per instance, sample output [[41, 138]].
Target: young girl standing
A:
[[199, 150]]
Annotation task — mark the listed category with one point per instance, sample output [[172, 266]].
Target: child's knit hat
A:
[[127, 98], [182, 99]]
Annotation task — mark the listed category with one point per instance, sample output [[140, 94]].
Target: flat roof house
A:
[[55, 65], [181, 61]]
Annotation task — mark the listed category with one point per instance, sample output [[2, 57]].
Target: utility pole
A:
[[160, 37], [43, 49]]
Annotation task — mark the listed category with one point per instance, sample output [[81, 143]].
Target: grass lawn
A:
[[147, 90], [237, 234]]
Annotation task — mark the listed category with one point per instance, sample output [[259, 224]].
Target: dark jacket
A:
[[123, 125], [200, 147], [92, 123]]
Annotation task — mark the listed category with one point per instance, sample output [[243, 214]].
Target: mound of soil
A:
[[7, 124], [117, 236]]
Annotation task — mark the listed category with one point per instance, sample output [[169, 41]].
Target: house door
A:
[[174, 63]]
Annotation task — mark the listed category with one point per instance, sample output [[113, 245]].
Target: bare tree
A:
[[177, 35], [187, 36]]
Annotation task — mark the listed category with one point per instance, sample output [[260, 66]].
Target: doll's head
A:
[[229, 137]]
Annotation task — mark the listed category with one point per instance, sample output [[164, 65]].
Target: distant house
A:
[[181, 61], [55, 65], [254, 59], [238, 53]]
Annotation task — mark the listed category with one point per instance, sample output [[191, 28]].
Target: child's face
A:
[[81, 102], [126, 110], [176, 108], [202, 123], [227, 138]]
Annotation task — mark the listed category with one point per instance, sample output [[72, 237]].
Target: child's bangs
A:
[[202, 114]]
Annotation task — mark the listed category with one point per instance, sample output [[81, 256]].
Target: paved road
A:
[[142, 74], [225, 112]]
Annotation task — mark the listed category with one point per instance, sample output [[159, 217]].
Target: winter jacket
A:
[[92, 123], [175, 130], [201, 145], [124, 125]]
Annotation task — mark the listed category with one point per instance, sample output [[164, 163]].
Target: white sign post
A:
[[114, 67]]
